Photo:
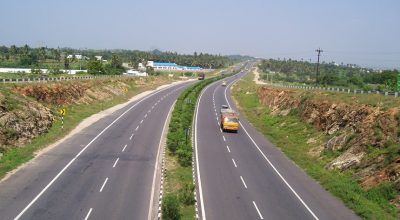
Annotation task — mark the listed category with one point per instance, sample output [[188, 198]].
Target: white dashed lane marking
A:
[[88, 214], [234, 163], [244, 183], [116, 161], [104, 184], [227, 147], [123, 149], [258, 211]]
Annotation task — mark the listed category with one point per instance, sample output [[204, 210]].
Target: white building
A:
[[78, 57], [135, 73]]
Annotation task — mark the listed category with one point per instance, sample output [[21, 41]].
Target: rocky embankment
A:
[[366, 138], [27, 110], [21, 120]]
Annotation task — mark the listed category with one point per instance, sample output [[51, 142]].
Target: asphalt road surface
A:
[[104, 172], [243, 176]]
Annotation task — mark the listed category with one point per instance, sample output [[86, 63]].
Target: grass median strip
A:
[[290, 134], [179, 200]]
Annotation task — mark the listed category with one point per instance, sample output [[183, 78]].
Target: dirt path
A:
[[257, 77]]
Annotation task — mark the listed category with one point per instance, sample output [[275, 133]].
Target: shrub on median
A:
[[170, 207], [186, 194]]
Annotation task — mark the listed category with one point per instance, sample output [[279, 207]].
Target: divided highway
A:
[[243, 176], [105, 171]]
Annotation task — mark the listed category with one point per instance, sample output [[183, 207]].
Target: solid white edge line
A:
[[83, 149], [104, 184], [258, 211], [203, 212], [88, 214], [269, 162], [156, 163], [234, 163], [123, 149], [116, 161], [244, 183]]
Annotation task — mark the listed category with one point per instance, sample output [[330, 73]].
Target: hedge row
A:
[[179, 139], [179, 145]]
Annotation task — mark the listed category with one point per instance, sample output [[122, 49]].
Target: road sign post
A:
[[62, 112], [187, 132]]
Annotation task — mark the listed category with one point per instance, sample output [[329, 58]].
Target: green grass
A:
[[179, 153], [15, 156], [176, 177], [290, 134]]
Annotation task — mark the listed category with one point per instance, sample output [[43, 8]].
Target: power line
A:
[[319, 51]]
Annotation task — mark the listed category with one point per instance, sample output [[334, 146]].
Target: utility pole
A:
[[319, 51]]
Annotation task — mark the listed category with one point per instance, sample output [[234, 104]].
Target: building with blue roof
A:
[[171, 66]]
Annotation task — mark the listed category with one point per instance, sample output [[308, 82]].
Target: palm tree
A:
[[13, 51], [25, 50]]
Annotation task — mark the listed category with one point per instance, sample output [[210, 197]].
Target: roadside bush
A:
[[186, 194], [188, 74], [170, 207], [184, 154], [172, 142]]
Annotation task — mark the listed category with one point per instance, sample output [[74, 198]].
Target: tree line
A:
[[57, 58], [331, 74]]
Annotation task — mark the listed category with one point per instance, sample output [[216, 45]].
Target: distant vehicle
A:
[[229, 119], [223, 83], [201, 76]]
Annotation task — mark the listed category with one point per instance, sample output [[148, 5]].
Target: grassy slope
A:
[[290, 134], [375, 100], [75, 114]]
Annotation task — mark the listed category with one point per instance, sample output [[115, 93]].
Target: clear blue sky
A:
[[365, 32]]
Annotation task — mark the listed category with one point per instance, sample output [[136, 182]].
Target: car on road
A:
[[229, 119], [223, 83], [201, 76]]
